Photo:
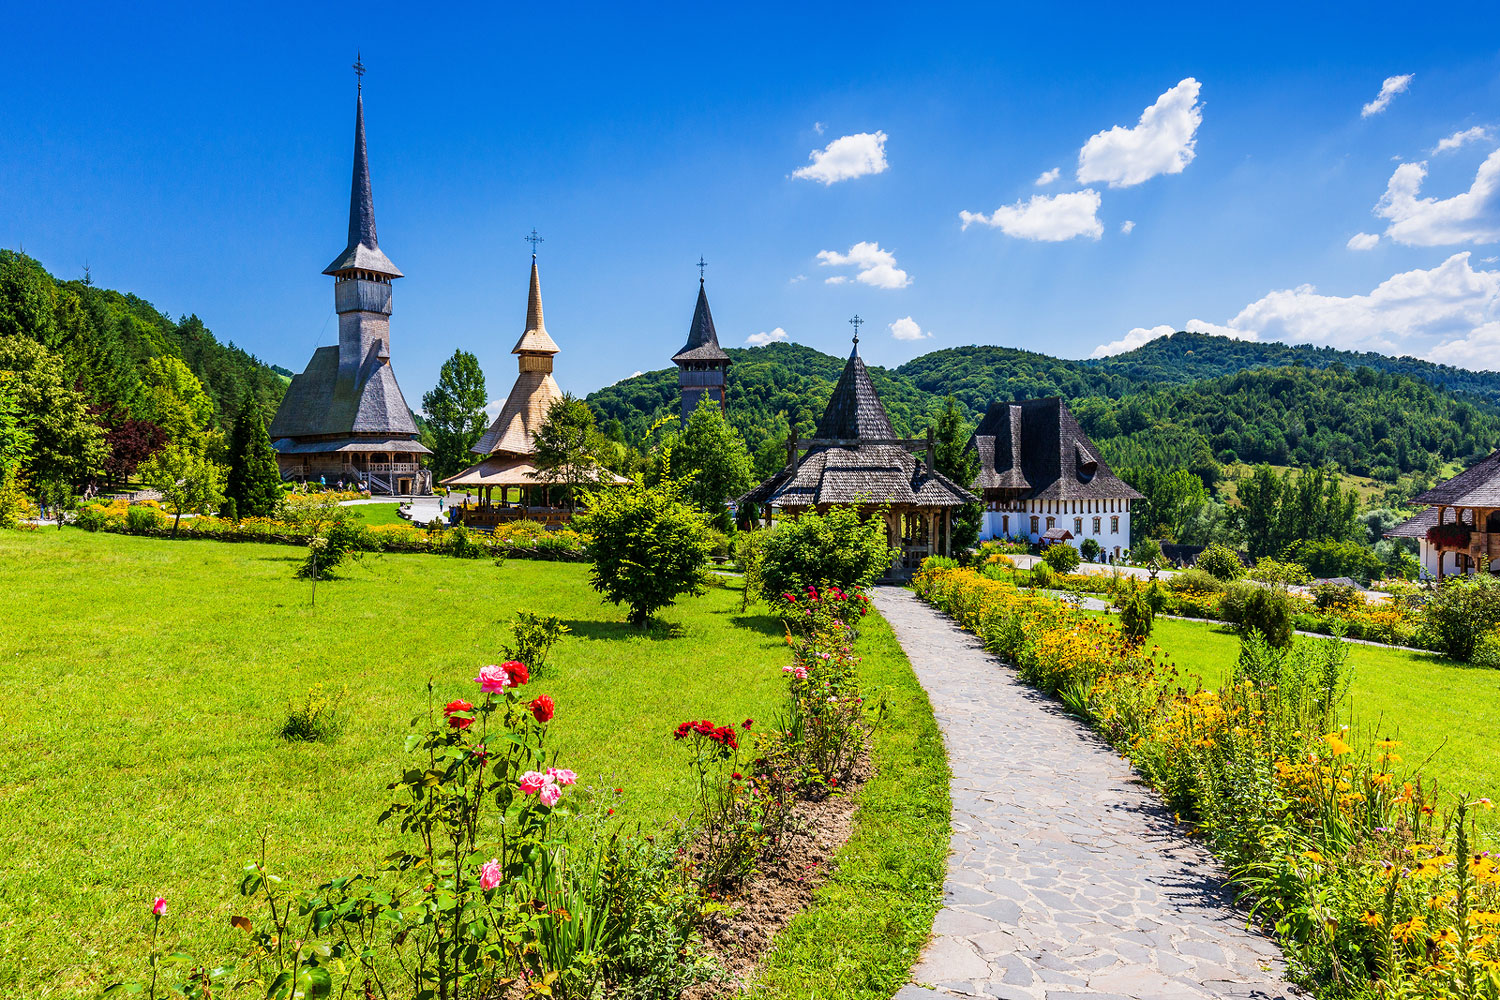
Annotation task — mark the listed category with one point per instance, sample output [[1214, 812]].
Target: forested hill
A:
[[1375, 420], [104, 337]]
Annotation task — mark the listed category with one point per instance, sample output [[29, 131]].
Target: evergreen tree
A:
[[455, 413], [955, 459], [254, 478], [713, 454]]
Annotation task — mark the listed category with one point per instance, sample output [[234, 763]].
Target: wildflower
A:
[[158, 906], [610, 813], [1314, 857], [454, 720], [492, 679], [1408, 929], [561, 775], [516, 671], [541, 708], [1370, 918], [1336, 744], [748, 723], [737, 776], [489, 874], [531, 782]]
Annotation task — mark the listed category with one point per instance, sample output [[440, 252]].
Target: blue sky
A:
[[199, 157]]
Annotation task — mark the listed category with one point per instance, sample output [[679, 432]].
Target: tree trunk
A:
[[175, 522]]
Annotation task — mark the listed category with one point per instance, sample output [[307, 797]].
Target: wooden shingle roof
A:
[[321, 402], [363, 251], [854, 409], [1476, 486], [702, 340], [513, 430], [1037, 446]]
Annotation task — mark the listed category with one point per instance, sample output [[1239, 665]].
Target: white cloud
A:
[[1127, 226], [837, 279], [1457, 139], [762, 339], [1048, 218], [1161, 143], [1362, 241], [819, 127], [1392, 86], [907, 329], [795, 280], [636, 373], [1142, 335], [846, 158], [493, 407], [1488, 260], [1048, 176], [877, 267], [1470, 217], [1448, 313]]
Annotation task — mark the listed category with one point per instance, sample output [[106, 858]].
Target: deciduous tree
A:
[[648, 547], [711, 462], [455, 412], [189, 483]]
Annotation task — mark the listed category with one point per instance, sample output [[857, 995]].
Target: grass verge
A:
[[867, 924]]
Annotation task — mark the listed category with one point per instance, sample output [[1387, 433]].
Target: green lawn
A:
[[1444, 713], [378, 513], [148, 678]]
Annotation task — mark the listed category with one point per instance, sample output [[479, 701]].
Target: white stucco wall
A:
[[1015, 520]]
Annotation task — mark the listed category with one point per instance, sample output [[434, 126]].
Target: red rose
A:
[[456, 721], [516, 671], [541, 708], [748, 723]]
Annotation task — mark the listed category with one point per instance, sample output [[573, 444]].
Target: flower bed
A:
[[1370, 880]]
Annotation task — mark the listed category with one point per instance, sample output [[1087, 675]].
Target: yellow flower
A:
[[1408, 929], [1371, 919], [1314, 856]]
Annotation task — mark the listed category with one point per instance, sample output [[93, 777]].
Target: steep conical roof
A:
[[363, 252], [854, 409], [535, 340], [703, 340]]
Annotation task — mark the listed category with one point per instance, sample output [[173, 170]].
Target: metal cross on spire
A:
[[359, 71], [856, 322], [701, 265], [533, 239]]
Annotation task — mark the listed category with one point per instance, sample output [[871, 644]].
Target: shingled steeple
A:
[[854, 410], [363, 251], [702, 365]]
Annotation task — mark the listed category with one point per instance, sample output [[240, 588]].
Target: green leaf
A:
[[314, 981]]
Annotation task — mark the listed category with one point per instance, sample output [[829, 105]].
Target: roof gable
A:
[[1038, 447]]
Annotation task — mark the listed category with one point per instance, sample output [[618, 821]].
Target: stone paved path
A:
[[1066, 878]]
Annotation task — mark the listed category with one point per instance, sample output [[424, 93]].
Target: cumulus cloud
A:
[[876, 267], [1392, 86], [1047, 218], [1470, 217], [1143, 335], [1048, 176], [1449, 313], [1363, 241], [1127, 226], [1161, 143], [845, 158], [762, 339], [907, 328], [1458, 139]]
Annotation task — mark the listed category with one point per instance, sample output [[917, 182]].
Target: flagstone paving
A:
[[1066, 876]]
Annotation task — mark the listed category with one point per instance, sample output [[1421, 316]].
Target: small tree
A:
[[1136, 615], [1221, 561], [57, 496], [254, 479], [710, 455], [455, 412], [844, 547], [1089, 549], [189, 483], [648, 547], [567, 448], [1061, 557]]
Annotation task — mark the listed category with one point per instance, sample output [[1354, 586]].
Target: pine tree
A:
[[254, 479]]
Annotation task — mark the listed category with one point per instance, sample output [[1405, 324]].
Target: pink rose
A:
[[561, 775], [550, 794], [159, 906], [532, 782], [492, 679], [489, 874]]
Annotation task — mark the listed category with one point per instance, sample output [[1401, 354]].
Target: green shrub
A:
[[464, 543], [1487, 650], [1136, 616], [1062, 558], [750, 557], [1329, 558], [648, 547], [535, 635], [140, 520], [1089, 549], [1145, 552], [719, 544], [229, 510], [1463, 611], [1277, 573], [1338, 598], [320, 717], [91, 518], [1254, 607], [1221, 562], [1195, 580], [1041, 575], [844, 547]]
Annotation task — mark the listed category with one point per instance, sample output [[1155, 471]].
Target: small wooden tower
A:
[[701, 364]]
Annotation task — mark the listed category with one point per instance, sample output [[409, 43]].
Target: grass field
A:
[[378, 513], [148, 680], [1446, 714]]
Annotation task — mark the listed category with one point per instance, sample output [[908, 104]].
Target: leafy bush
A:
[[461, 542], [1136, 616], [1196, 581], [1254, 607], [320, 717], [1276, 573], [535, 635], [340, 540], [1339, 598], [1145, 552], [648, 547], [750, 557], [91, 517], [229, 509], [844, 547], [1221, 562], [1461, 613], [1062, 558], [1330, 558], [1089, 549], [142, 520], [1041, 575]]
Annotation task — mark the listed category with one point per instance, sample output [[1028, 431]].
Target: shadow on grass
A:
[[657, 630], [768, 625]]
